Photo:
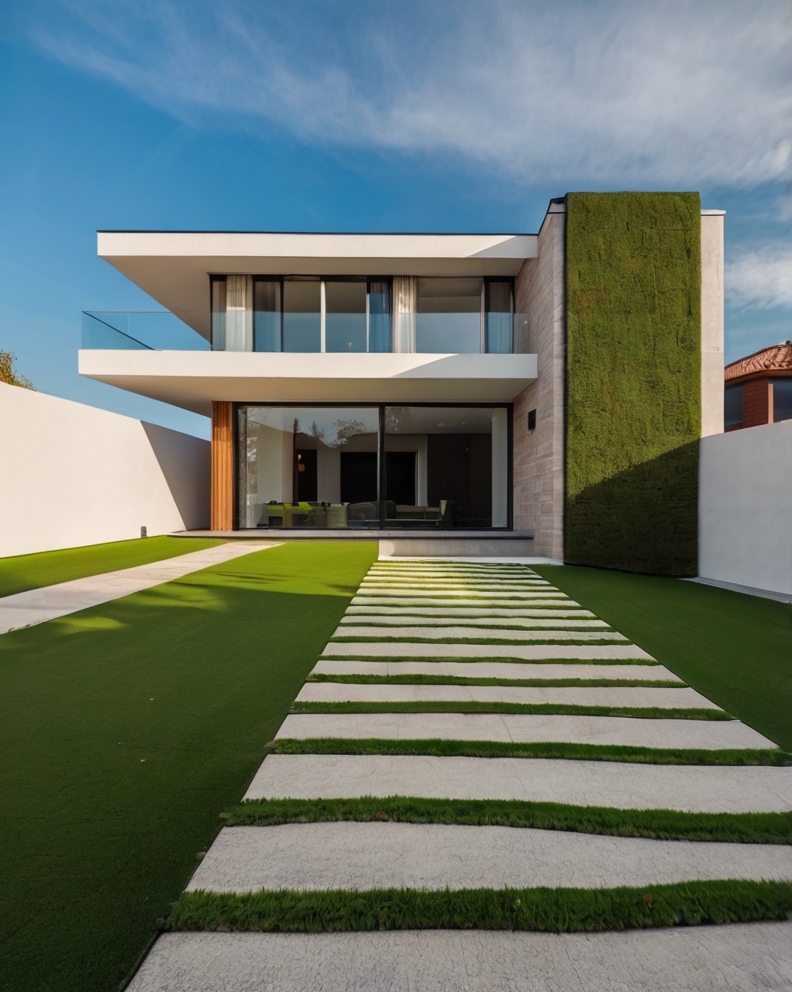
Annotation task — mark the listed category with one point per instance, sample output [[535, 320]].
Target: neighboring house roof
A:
[[777, 358]]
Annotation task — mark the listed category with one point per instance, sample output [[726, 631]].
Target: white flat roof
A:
[[174, 267]]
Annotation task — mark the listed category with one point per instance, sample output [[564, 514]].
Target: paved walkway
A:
[[418, 619], [37, 605]]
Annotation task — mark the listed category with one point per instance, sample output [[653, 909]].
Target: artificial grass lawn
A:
[[24, 572], [531, 749], [733, 648], [658, 824], [478, 706], [549, 910], [126, 729], [460, 680]]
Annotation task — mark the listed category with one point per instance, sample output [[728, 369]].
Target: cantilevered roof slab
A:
[[192, 379], [174, 267]]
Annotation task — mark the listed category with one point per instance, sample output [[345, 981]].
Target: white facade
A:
[[74, 475]]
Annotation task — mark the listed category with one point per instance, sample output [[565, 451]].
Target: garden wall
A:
[[73, 475], [745, 496]]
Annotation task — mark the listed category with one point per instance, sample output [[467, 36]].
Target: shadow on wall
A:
[[642, 519], [185, 462]]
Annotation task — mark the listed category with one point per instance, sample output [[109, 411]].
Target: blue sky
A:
[[437, 116]]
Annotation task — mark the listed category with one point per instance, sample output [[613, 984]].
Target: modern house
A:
[[759, 388], [492, 387]]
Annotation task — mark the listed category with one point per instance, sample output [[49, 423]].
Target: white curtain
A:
[[404, 306], [239, 313]]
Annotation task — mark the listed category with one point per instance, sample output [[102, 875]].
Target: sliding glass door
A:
[[374, 466]]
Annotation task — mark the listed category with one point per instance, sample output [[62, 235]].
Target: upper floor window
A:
[[295, 314], [782, 399], [733, 406]]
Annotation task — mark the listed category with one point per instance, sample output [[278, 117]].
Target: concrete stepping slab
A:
[[437, 569], [442, 595], [520, 728], [383, 602], [476, 623], [496, 670], [526, 652], [502, 633], [373, 855], [640, 696], [36, 606], [753, 957], [451, 585], [442, 579], [691, 788], [396, 612]]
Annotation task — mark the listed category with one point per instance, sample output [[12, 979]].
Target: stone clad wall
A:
[[539, 455]]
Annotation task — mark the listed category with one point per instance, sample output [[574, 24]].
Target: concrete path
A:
[[496, 670], [430, 611], [529, 599], [646, 696], [435, 856], [546, 652], [692, 788], [38, 605], [754, 957], [503, 634], [483, 623], [432, 600], [508, 728]]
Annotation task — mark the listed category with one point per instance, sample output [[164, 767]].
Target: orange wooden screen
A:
[[222, 466]]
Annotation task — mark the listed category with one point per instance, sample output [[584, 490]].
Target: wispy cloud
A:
[[673, 93], [762, 278]]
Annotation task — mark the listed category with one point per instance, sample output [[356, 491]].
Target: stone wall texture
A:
[[539, 454]]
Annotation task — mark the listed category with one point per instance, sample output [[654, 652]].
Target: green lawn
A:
[[733, 648], [24, 572], [126, 730]]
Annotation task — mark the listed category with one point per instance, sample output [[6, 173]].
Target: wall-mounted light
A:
[[532, 420]]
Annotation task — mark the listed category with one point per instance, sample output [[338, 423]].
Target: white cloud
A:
[[761, 278], [668, 94]]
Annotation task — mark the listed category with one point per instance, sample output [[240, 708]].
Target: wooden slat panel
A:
[[222, 466]]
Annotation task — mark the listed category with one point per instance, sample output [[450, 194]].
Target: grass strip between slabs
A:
[[491, 659], [532, 749], [479, 706], [658, 824], [517, 683], [544, 909]]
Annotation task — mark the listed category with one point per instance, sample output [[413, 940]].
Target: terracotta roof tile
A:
[[778, 357]]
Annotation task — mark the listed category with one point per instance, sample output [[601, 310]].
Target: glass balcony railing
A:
[[424, 333], [461, 333], [142, 330]]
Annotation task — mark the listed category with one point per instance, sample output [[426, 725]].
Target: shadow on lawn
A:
[[125, 740]]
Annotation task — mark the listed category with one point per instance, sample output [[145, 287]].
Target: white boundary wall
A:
[[72, 475], [745, 507]]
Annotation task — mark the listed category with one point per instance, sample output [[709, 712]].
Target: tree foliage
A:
[[9, 375]]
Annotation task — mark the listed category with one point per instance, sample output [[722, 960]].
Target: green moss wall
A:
[[633, 288]]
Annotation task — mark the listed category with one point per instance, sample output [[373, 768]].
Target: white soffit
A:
[[173, 267], [192, 379]]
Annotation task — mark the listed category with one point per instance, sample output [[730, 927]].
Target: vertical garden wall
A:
[[633, 288]]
